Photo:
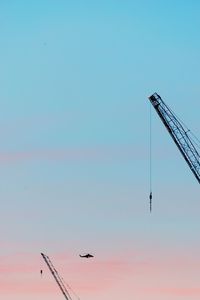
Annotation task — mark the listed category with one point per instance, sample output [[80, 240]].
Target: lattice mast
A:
[[178, 133], [56, 277]]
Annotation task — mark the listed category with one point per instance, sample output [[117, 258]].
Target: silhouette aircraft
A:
[[87, 255]]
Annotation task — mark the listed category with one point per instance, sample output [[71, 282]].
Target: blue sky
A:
[[74, 126]]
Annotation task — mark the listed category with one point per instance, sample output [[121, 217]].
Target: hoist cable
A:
[[150, 158]]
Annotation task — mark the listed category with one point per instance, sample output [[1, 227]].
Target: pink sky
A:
[[129, 274], [75, 148]]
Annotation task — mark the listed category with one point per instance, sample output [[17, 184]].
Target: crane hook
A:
[[150, 201]]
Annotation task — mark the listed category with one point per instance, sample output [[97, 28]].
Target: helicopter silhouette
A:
[[86, 256]]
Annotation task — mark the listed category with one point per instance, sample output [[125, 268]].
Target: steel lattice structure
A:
[[178, 134], [56, 277]]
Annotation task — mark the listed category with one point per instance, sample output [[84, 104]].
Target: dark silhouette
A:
[[41, 272], [150, 202], [86, 255]]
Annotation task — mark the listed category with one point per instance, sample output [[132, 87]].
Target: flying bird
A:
[[86, 256]]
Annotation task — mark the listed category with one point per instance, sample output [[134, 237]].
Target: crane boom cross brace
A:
[[178, 134], [56, 276]]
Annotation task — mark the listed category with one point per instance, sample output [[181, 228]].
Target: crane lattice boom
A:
[[178, 134], [56, 277]]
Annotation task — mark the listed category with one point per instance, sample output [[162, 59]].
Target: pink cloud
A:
[[174, 291], [74, 154], [146, 274], [19, 274]]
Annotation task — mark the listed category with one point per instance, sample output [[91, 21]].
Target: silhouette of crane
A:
[[179, 133], [57, 278]]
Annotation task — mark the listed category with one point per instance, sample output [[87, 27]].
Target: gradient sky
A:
[[74, 148]]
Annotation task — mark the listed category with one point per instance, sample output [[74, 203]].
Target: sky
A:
[[74, 149]]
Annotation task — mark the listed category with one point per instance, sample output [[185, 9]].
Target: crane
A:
[[57, 278], [179, 134]]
